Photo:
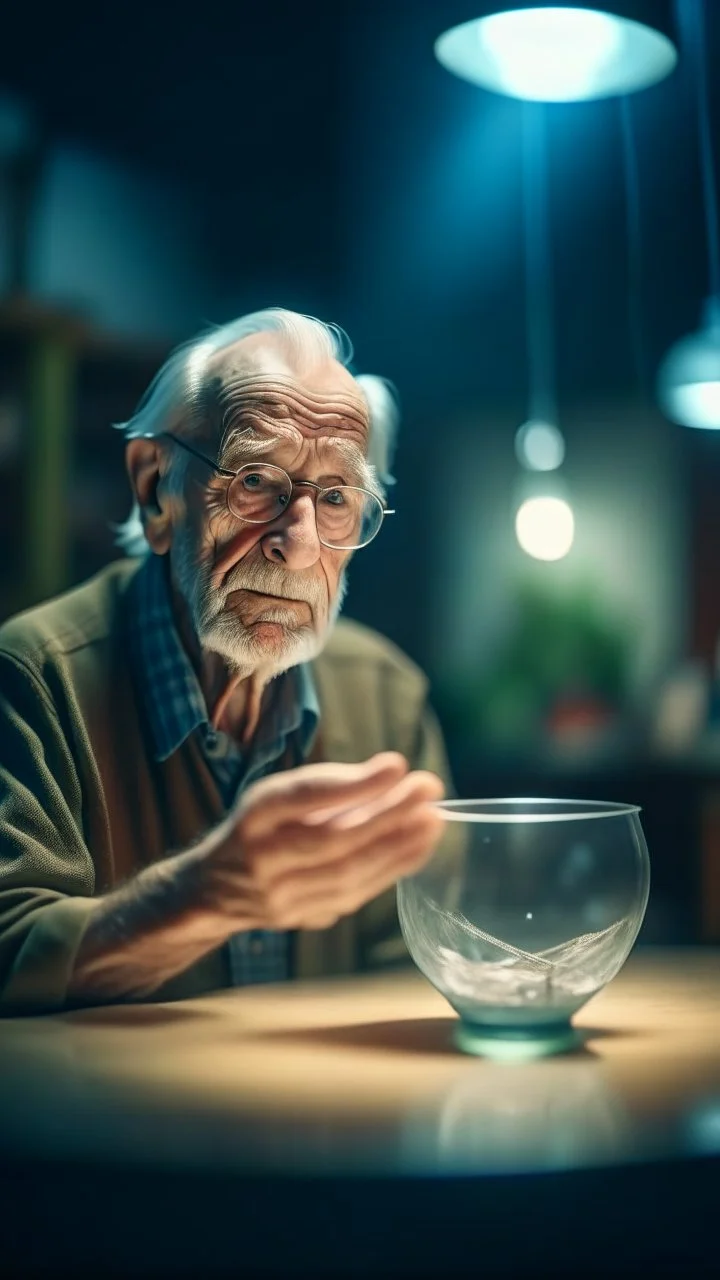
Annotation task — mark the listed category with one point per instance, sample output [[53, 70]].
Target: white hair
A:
[[177, 396]]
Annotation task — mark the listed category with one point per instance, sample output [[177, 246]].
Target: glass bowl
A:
[[528, 908]]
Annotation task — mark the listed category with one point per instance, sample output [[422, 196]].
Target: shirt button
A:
[[257, 947]]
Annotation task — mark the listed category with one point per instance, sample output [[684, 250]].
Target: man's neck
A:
[[233, 698]]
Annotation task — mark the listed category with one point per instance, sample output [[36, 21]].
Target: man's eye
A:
[[252, 480], [335, 497]]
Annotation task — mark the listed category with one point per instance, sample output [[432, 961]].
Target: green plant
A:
[[557, 646]]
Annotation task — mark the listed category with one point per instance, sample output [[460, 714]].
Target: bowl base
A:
[[515, 1044]]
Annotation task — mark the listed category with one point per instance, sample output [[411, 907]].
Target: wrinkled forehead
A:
[[258, 388]]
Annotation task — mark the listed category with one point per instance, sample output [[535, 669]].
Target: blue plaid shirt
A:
[[176, 708]]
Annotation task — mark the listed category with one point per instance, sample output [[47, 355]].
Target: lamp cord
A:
[[538, 288], [707, 162], [634, 234]]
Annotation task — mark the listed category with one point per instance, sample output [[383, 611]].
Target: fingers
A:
[[327, 892], [311, 842], [419, 787], [297, 793]]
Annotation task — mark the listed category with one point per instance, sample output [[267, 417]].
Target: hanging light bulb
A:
[[542, 513], [539, 446], [545, 527], [539, 443], [689, 376], [544, 521], [561, 52]]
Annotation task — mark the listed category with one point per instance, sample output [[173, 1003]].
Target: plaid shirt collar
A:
[[175, 702]]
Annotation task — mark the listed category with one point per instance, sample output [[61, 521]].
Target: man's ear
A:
[[142, 459]]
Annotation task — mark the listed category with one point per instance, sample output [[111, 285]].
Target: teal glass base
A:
[[515, 1044]]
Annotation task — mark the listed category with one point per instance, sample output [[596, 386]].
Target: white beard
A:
[[220, 631]]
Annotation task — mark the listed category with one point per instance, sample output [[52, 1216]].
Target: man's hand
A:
[[302, 849], [310, 845]]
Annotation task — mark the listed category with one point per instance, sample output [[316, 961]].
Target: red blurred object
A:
[[579, 716]]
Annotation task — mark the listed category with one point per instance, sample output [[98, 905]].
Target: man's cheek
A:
[[333, 577], [232, 551]]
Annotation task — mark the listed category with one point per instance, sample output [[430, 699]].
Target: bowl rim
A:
[[456, 810]]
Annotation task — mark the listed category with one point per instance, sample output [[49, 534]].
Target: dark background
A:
[[189, 164]]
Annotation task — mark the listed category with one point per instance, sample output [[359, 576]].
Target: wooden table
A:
[[333, 1125]]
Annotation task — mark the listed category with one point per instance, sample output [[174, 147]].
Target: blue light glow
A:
[[539, 446], [556, 54], [703, 1129], [550, 52], [689, 377]]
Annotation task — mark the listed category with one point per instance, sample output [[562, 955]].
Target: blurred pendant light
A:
[[552, 53], [544, 522], [560, 52], [545, 527], [689, 376], [539, 444]]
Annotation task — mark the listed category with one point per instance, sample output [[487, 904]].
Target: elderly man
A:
[[203, 780]]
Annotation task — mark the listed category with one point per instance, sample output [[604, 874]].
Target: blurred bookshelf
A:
[[64, 381]]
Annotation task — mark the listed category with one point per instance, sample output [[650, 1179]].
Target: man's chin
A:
[[271, 637], [266, 645]]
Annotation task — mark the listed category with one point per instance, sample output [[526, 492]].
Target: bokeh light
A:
[[545, 528], [539, 446]]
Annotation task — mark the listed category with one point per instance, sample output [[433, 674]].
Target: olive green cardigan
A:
[[84, 805]]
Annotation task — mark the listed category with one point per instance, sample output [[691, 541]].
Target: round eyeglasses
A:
[[347, 517]]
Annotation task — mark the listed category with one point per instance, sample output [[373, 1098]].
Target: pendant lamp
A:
[[560, 52], [689, 376]]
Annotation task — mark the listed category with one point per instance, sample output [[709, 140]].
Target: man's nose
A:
[[293, 538]]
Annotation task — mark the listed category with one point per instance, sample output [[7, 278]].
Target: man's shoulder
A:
[[353, 645], [77, 619]]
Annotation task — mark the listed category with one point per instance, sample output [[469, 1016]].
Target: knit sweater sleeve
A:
[[46, 871]]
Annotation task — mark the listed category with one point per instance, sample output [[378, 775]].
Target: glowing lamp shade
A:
[[559, 53], [545, 528], [689, 377]]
